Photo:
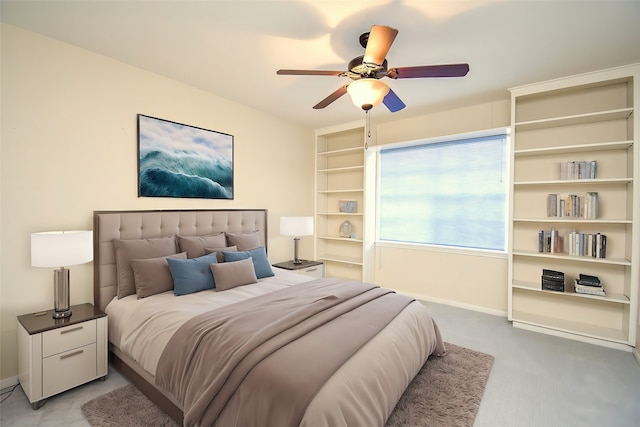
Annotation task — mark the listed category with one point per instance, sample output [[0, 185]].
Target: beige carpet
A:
[[446, 392]]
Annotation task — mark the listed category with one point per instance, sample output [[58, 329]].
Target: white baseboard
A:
[[8, 382], [636, 354], [572, 336], [455, 304]]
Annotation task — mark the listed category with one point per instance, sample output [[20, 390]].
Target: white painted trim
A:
[[575, 337], [8, 382], [486, 253], [455, 304], [636, 354]]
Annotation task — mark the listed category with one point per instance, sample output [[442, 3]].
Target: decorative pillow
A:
[[192, 275], [126, 250], [257, 255], [218, 251], [194, 245], [152, 275], [231, 274], [244, 241]]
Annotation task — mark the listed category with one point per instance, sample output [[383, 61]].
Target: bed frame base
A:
[[147, 389]]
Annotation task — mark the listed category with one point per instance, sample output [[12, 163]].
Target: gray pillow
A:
[[218, 251], [244, 241], [194, 245], [126, 250], [152, 276], [231, 274]]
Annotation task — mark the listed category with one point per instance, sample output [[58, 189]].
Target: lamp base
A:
[[296, 260], [61, 293], [61, 314]]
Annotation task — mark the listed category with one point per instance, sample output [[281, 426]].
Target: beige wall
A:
[[464, 279], [69, 147]]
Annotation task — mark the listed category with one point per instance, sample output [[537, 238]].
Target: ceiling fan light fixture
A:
[[367, 93]]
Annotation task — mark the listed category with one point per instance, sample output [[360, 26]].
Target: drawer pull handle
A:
[[312, 269], [75, 353], [66, 331]]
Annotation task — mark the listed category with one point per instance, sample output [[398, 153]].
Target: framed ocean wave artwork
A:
[[177, 160]]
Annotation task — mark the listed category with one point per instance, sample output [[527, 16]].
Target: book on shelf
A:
[[579, 169], [552, 280], [550, 241], [588, 280], [573, 205], [573, 244], [586, 244], [589, 285]]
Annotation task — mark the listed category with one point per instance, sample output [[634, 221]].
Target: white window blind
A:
[[450, 193]]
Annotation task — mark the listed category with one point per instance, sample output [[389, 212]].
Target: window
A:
[[449, 192]]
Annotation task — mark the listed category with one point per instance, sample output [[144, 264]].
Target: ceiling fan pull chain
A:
[[368, 127]]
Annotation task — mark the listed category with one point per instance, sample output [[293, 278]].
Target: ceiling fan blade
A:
[[309, 73], [329, 99], [392, 102], [450, 70], [380, 39]]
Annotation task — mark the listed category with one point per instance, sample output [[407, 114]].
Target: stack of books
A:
[[550, 241], [590, 285], [552, 280], [583, 244], [573, 205], [579, 169]]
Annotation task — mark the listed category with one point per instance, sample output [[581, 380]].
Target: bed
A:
[[383, 338]]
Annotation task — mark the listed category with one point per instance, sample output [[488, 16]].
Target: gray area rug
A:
[[446, 392]]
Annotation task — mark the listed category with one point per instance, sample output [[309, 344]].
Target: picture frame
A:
[[179, 160], [347, 206]]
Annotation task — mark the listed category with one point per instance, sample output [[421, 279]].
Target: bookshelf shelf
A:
[[341, 152], [357, 214], [574, 182], [576, 119], [579, 148], [340, 259], [565, 257], [572, 220], [535, 287], [342, 170], [572, 327], [341, 239], [349, 190], [565, 122]]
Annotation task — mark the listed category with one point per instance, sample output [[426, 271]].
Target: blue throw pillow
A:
[[192, 275], [257, 255]]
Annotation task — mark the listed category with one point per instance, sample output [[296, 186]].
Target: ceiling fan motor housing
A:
[[359, 69]]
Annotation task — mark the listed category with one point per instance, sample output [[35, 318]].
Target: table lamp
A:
[[61, 249], [296, 226]]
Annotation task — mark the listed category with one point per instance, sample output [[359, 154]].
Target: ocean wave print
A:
[[183, 161]]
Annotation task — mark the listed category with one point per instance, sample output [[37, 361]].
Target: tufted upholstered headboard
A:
[[109, 225]]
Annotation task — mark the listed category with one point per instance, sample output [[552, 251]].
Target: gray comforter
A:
[[273, 352]]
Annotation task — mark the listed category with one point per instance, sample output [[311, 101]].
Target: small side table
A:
[[309, 268], [55, 355]]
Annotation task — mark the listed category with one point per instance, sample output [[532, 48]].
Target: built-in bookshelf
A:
[[575, 208], [340, 177]]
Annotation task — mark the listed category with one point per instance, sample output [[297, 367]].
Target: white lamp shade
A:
[[296, 226], [367, 91], [61, 248]]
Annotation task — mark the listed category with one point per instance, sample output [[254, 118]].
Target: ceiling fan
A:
[[368, 69]]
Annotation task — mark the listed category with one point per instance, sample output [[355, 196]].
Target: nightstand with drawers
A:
[[306, 267], [55, 355]]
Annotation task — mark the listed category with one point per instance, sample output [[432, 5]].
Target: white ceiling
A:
[[233, 48]]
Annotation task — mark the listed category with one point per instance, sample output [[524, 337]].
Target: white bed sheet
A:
[[142, 327]]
